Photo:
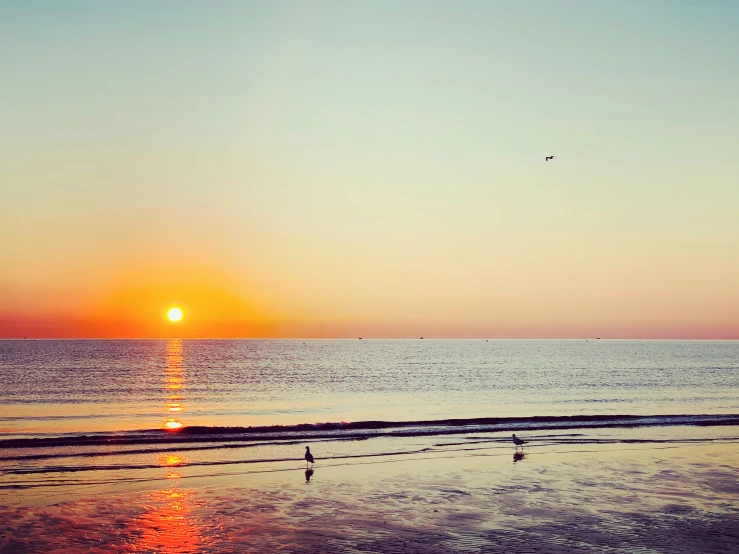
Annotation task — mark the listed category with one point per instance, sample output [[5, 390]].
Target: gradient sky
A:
[[342, 169]]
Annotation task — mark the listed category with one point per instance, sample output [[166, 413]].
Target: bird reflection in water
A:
[[518, 456], [308, 475], [174, 382]]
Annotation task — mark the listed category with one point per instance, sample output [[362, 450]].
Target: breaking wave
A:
[[364, 430]]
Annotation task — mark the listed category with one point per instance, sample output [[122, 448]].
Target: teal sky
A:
[[377, 167]]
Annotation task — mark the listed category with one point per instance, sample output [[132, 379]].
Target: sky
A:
[[375, 169]]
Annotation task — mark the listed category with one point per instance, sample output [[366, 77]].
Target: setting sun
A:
[[174, 314]]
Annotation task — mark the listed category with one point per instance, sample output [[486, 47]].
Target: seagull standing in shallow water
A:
[[518, 442], [308, 456]]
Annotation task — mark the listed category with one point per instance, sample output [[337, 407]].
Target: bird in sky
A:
[[518, 442], [547, 158], [308, 456]]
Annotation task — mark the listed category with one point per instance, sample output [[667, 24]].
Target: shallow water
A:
[[673, 492]]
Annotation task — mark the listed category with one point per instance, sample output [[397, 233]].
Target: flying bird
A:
[[308, 456], [547, 158], [518, 442]]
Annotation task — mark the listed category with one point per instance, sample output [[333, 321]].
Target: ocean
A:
[[95, 412], [69, 387]]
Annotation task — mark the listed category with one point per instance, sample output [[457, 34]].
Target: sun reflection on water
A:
[[168, 524], [170, 460], [174, 381], [172, 424]]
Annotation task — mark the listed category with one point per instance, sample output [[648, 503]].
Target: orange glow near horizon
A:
[[134, 303], [213, 305]]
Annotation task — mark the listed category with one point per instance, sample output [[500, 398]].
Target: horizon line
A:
[[382, 338]]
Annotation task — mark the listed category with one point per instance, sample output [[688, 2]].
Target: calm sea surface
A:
[[58, 387]]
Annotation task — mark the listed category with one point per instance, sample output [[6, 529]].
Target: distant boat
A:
[[360, 338], [421, 338]]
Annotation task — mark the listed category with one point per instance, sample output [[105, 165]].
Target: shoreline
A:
[[556, 498], [361, 430]]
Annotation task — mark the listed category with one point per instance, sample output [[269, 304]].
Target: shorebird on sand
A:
[[518, 442], [308, 456]]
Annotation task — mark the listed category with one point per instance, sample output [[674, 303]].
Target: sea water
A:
[[53, 387], [81, 413]]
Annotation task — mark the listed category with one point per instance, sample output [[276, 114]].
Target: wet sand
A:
[[564, 498]]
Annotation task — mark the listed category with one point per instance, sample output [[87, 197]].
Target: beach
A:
[[198, 446], [670, 490]]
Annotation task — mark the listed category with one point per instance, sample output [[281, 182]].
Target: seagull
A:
[[518, 442], [308, 456], [546, 159]]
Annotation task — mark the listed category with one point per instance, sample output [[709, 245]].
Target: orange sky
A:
[[135, 307], [370, 169]]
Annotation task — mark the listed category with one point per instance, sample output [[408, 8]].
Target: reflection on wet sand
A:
[[518, 456], [167, 525], [598, 498]]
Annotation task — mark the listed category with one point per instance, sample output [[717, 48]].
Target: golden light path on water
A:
[[173, 383], [167, 524]]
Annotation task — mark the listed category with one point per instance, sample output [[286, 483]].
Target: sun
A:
[[174, 314]]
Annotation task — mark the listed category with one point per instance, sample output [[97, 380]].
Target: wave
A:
[[30, 477], [363, 430]]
